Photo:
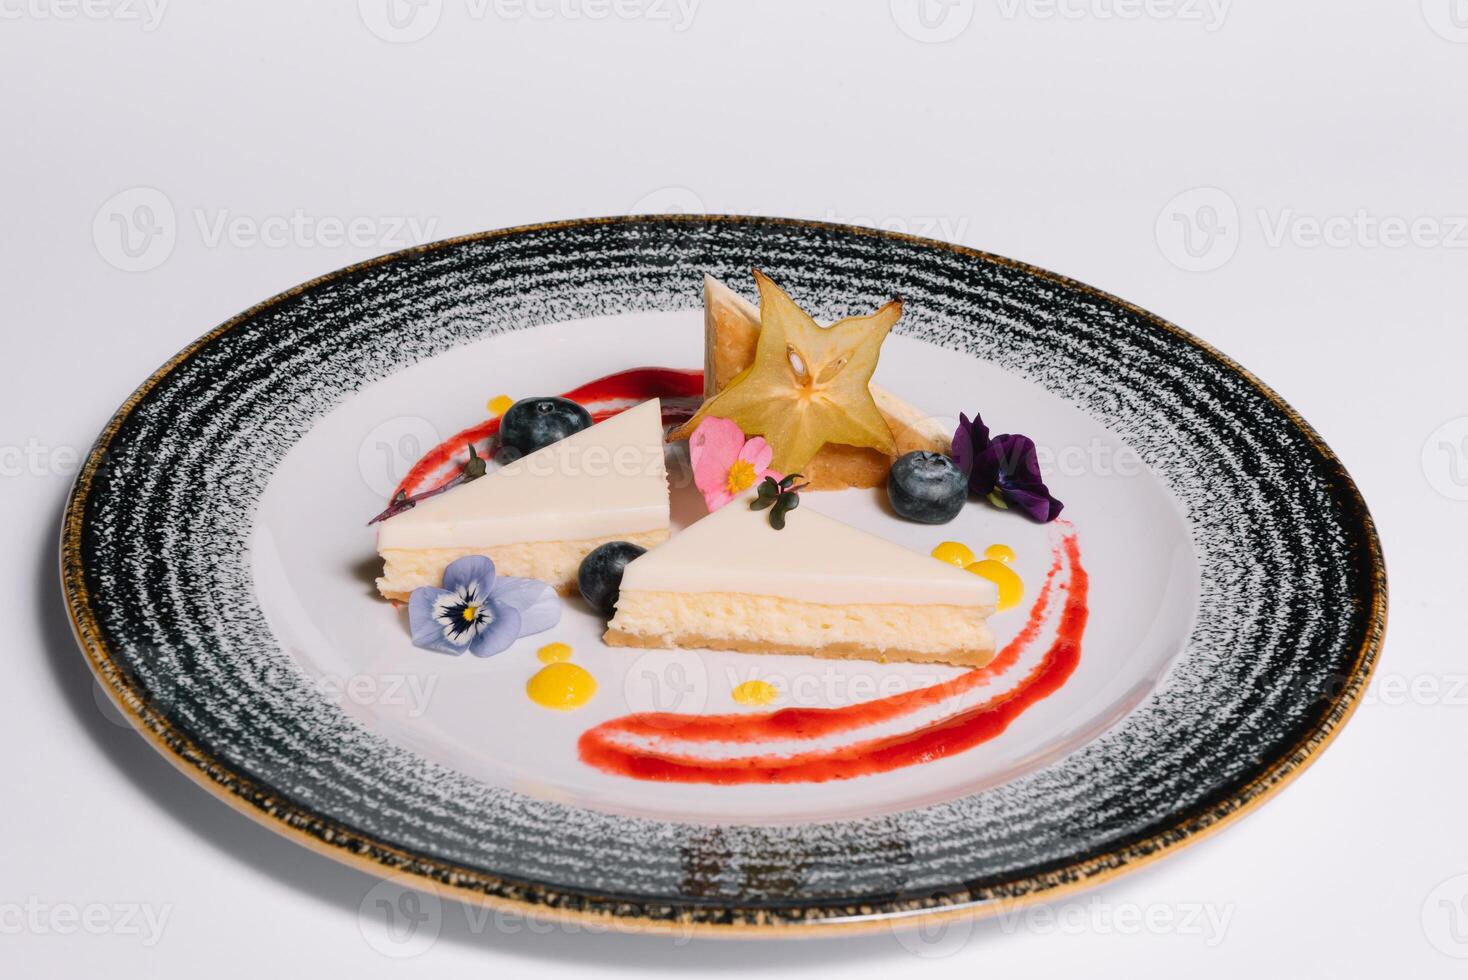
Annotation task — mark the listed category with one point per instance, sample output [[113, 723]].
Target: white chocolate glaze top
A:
[[606, 480], [813, 559]]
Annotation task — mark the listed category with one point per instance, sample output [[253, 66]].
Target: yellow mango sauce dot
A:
[[954, 553], [554, 653], [1000, 552], [755, 692], [1011, 586], [500, 404], [562, 686]]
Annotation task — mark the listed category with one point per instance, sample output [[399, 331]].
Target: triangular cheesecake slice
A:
[[539, 516], [820, 587]]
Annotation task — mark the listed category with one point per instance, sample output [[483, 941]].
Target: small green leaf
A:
[[760, 503], [788, 481], [997, 499], [783, 506]]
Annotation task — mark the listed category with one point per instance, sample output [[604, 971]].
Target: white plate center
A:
[[314, 561]]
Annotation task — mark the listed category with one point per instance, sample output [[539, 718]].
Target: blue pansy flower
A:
[[478, 612]]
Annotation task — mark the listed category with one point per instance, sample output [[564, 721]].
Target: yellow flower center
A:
[[470, 612], [741, 476]]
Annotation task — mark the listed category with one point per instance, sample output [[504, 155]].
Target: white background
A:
[[1060, 133]]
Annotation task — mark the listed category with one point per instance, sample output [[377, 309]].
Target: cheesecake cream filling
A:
[[553, 562], [930, 632]]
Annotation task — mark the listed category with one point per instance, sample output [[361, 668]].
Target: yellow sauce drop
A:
[[1011, 586], [755, 692], [954, 553], [562, 686], [999, 552], [554, 653], [500, 404]]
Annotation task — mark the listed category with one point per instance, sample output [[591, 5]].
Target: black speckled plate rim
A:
[[719, 917]]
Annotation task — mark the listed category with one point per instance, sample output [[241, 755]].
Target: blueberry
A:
[[600, 576], [534, 423], [926, 487]]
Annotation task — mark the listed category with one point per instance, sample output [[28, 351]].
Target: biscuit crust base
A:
[[841, 650]]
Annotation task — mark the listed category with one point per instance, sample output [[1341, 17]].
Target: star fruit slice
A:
[[731, 334], [808, 385]]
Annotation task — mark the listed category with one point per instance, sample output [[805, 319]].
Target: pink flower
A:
[[724, 464]]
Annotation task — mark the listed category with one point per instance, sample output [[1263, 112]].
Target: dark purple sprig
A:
[[1005, 470], [474, 468]]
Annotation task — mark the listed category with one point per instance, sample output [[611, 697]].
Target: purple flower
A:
[[1003, 469], [478, 612], [969, 440]]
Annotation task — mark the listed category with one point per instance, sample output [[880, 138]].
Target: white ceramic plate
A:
[[219, 573]]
